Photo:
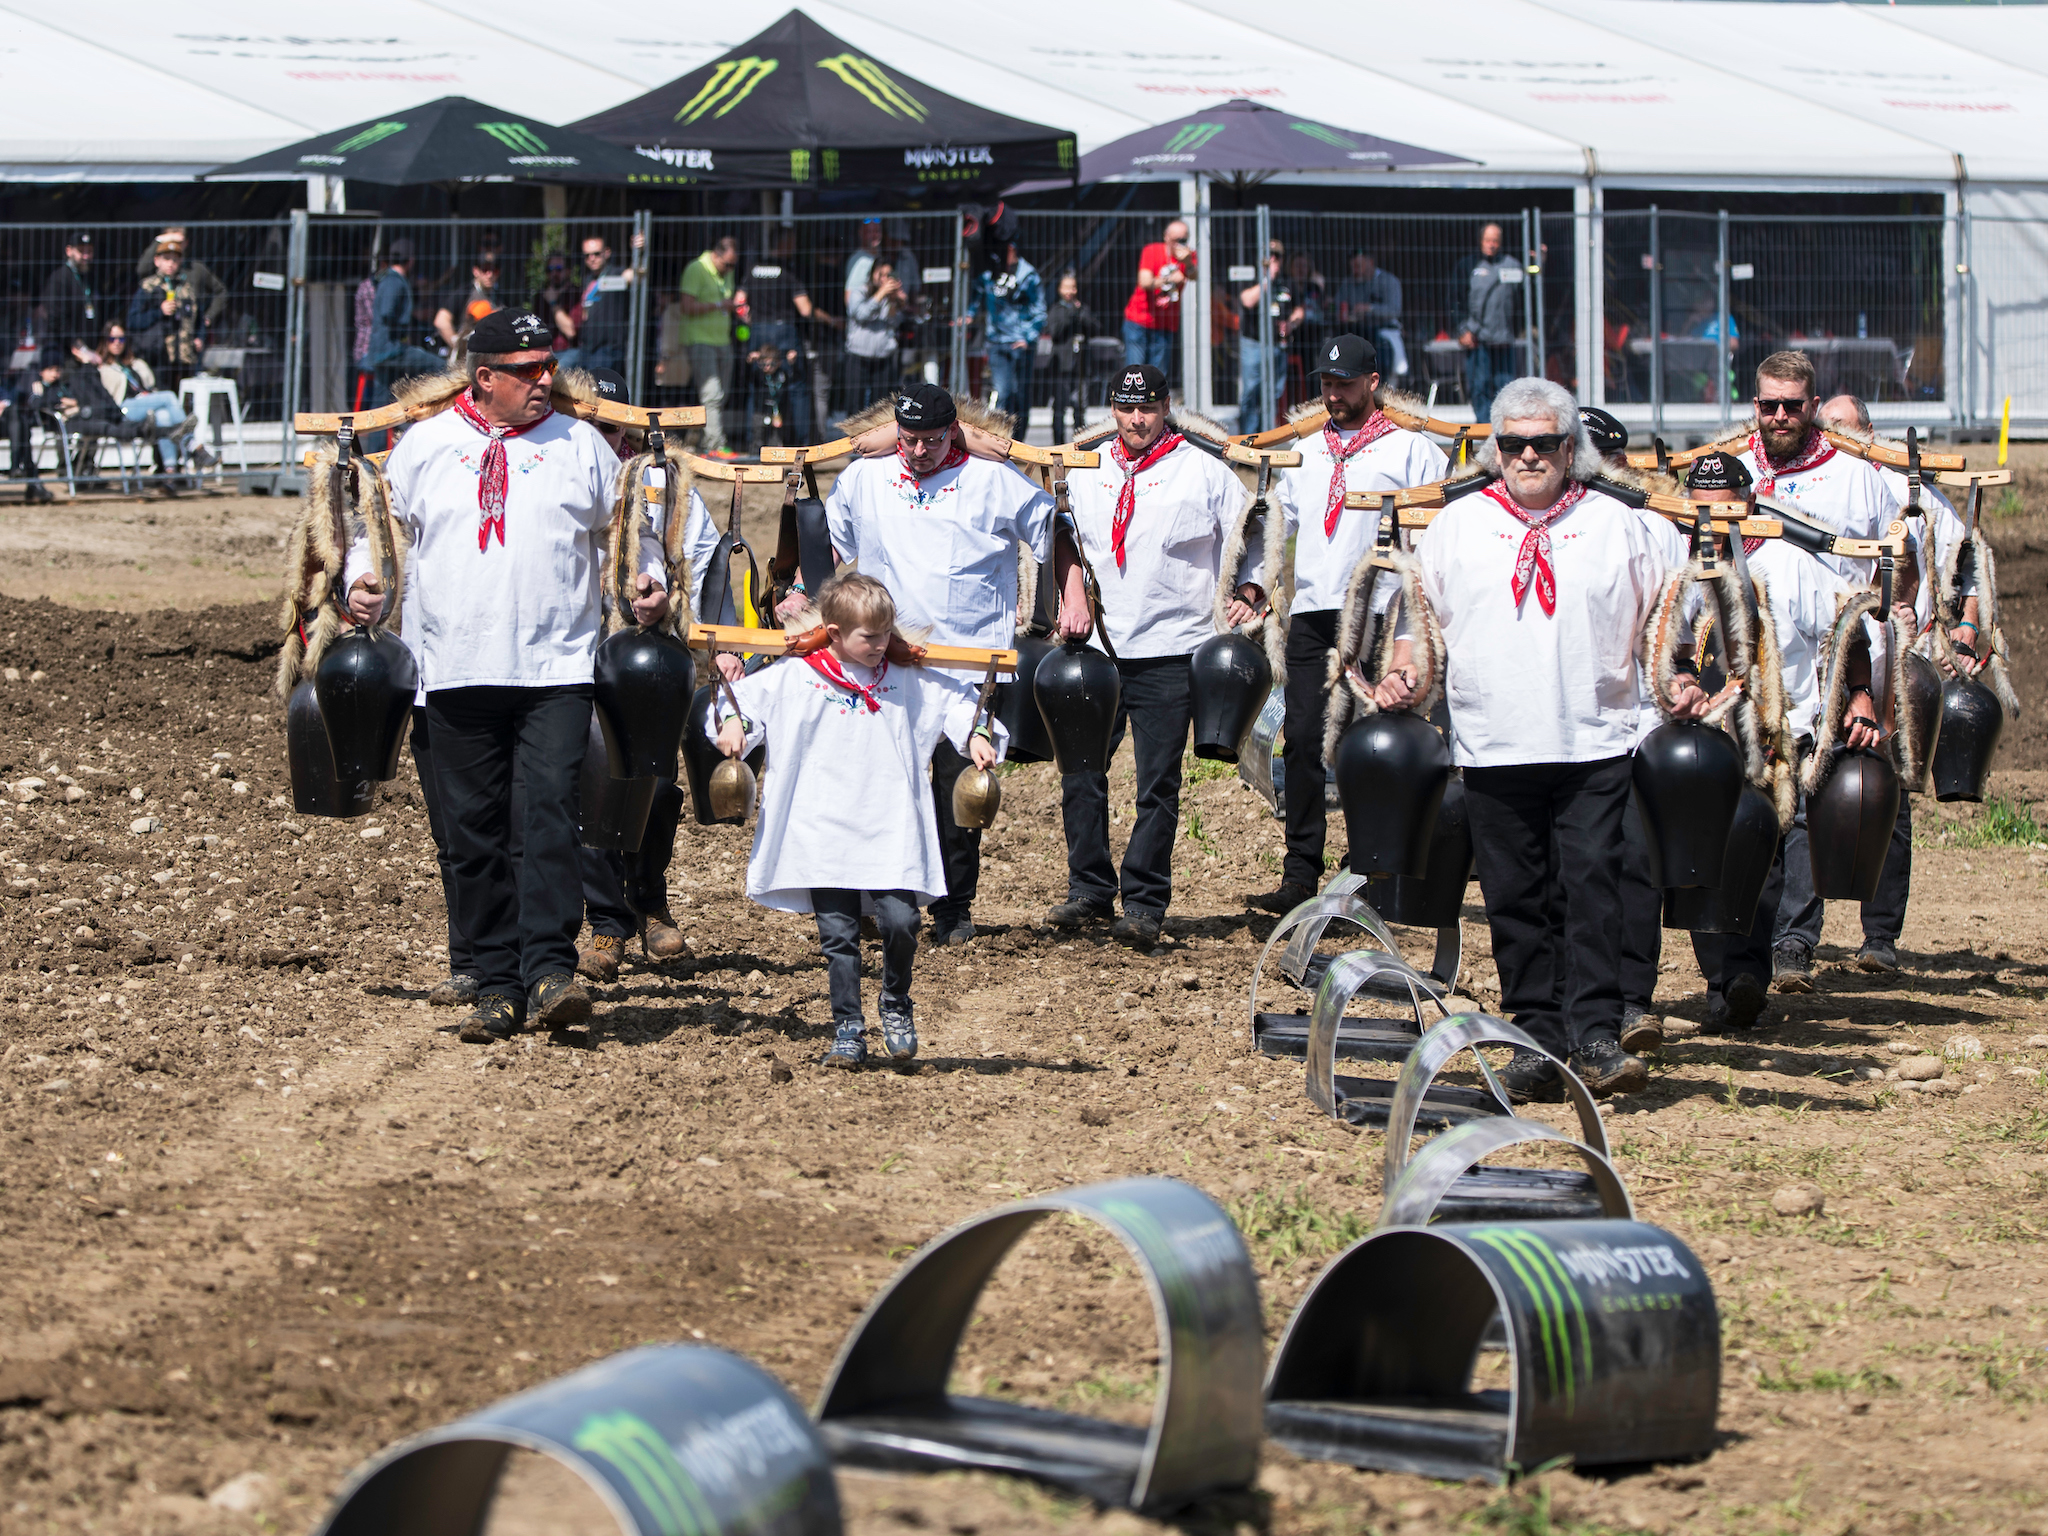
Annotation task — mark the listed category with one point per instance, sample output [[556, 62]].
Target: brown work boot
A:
[[660, 938], [599, 959]]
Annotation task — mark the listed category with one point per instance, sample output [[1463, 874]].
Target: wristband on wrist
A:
[[1856, 688], [984, 732], [1969, 624]]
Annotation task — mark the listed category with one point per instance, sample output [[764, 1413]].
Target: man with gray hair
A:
[[1541, 586]]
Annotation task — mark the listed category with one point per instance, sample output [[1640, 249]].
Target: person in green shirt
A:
[[711, 297]]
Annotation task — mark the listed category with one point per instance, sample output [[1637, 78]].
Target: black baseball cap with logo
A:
[[1717, 471], [1347, 357], [1608, 434], [610, 386], [925, 408], [1139, 384], [510, 330]]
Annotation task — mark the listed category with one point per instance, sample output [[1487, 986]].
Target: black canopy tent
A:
[[796, 106]]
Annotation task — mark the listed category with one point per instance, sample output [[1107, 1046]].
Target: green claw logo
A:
[[732, 82], [1555, 1300], [667, 1492], [1190, 137], [1325, 135], [799, 165], [517, 137], [1066, 154], [376, 133], [830, 157], [873, 82]]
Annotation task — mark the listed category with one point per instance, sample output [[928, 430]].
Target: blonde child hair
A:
[[853, 601]]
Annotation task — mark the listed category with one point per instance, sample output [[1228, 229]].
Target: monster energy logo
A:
[[517, 137], [799, 165], [732, 82], [1066, 154], [650, 1469], [1555, 1300], [1323, 135], [830, 158], [873, 82], [376, 133], [1192, 136]]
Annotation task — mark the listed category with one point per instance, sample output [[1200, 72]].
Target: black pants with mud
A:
[[1724, 956], [621, 888], [1642, 915], [838, 914], [959, 847], [521, 921], [1157, 708], [1547, 838], [1310, 639]]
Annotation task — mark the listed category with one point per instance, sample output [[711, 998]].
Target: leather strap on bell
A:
[[344, 442], [1457, 449], [1703, 539], [1663, 455], [1383, 536], [752, 611], [1913, 507], [1063, 517], [783, 567]]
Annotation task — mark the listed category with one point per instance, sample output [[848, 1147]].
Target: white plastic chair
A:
[[198, 394]]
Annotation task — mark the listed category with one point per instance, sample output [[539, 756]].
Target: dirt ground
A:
[[263, 1214]]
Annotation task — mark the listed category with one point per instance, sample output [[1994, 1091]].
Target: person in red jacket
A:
[[1152, 317]]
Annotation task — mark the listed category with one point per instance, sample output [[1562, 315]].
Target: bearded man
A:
[[1359, 449]]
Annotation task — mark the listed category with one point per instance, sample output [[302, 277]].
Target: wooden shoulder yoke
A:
[[1021, 453], [1309, 425], [775, 642], [397, 414], [1876, 453]]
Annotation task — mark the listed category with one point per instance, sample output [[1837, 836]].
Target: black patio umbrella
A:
[[796, 106], [456, 139], [1243, 142]]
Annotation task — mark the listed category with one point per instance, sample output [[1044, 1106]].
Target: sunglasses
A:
[[1549, 442], [531, 373], [1768, 408]]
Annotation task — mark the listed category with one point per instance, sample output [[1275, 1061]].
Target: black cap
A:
[[1139, 384], [1717, 471], [1608, 435], [925, 408], [610, 386], [401, 250], [79, 237], [1348, 357], [510, 330]]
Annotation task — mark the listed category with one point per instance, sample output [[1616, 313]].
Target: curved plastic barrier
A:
[[886, 1407], [1255, 759], [1612, 1336], [1347, 976], [677, 1440], [1448, 1161]]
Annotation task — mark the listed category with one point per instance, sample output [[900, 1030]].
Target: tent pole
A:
[[1724, 353], [1203, 391], [1190, 325], [637, 302], [1656, 327], [1590, 237], [956, 358], [1532, 288], [1264, 244], [294, 343]]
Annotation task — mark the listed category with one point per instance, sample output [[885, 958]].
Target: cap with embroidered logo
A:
[[1717, 471], [610, 386], [1608, 434], [510, 330], [925, 408], [1139, 384], [1347, 357]]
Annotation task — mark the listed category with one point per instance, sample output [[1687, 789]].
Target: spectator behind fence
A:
[[604, 323], [1013, 317], [1488, 331], [880, 243], [558, 300], [710, 298], [460, 311], [70, 305], [165, 319], [393, 352], [1152, 317], [1070, 326], [132, 384], [778, 313], [1307, 324], [91, 412], [1369, 302], [212, 292], [871, 319], [1259, 381], [37, 401]]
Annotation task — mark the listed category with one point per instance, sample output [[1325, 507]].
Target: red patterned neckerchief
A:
[[492, 480], [956, 455], [1376, 427], [1750, 545], [1532, 561], [1818, 450], [1127, 497], [826, 665]]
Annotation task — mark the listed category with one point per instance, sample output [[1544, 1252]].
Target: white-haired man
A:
[[1542, 586]]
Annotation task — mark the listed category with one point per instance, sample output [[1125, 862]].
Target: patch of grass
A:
[[1195, 832], [1791, 1379], [2010, 503], [1204, 770], [1527, 1511], [1283, 1226], [2002, 823]]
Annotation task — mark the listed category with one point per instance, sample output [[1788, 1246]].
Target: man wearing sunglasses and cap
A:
[[1542, 585], [506, 505], [1154, 520], [1359, 449]]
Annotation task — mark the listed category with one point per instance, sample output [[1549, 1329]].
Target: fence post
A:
[[1656, 326], [1590, 236], [1265, 245], [956, 349], [1190, 333], [294, 344], [1725, 354], [638, 302], [1529, 338], [1201, 390], [1957, 315]]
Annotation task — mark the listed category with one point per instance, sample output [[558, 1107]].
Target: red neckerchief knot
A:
[[1750, 544], [492, 481], [1532, 561], [826, 665], [1376, 427], [1127, 497], [1816, 450], [956, 455]]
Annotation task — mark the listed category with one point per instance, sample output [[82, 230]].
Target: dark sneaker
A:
[[1292, 893], [899, 1032], [497, 1016], [1641, 1030], [1792, 968], [1140, 930], [458, 991], [1532, 1078], [1603, 1066], [557, 1002], [599, 959], [1075, 913], [849, 1047], [1744, 1002], [1878, 957]]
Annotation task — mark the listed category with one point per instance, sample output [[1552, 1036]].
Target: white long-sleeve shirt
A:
[[525, 613], [846, 803], [1323, 563], [1162, 603], [1804, 593], [945, 546], [1529, 687], [1843, 492]]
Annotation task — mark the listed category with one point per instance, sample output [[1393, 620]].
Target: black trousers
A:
[[1066, 407], [21, 456], [1547, 839], [1642, 915], [838, 914], [1884, 916], [460, 961], [959, 847], [1724, 956], [1310, 639], [621, 888], [521, 921], [1157, 709]]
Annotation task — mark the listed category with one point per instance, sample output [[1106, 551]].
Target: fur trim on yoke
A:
[[1273, 628], [1948, 613], [1844, 639], [430, 389], [633, 516], [1365, 645], [311, 614], [972, 411], [806, 631]]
